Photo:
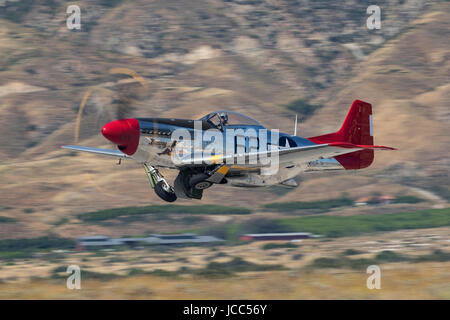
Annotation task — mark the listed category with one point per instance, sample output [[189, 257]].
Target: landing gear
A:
[[191, 182], [160, 184], [165, 192], [182, 186], [199, 182]]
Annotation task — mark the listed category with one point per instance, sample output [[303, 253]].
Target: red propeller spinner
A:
[[124, 133]]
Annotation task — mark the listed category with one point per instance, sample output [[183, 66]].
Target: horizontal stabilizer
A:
[[361, 146]]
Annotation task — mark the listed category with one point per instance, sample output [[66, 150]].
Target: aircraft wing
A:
[[295, 155], [106, 152]]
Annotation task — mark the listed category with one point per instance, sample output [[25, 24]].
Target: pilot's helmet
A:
[[224, 117]]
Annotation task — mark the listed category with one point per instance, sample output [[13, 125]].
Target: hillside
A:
[[162, 59]]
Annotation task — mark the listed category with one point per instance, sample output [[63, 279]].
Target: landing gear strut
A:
[[159, 184]]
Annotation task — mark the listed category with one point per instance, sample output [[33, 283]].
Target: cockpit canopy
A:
[[229, 118]]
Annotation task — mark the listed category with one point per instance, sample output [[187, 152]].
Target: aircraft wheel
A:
[[164, 192], [182, 187], [198, 181]]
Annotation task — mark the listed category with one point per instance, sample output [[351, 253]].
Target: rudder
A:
[[356, 129]]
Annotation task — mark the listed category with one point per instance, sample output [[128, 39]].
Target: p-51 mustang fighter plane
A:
[[226, 147]]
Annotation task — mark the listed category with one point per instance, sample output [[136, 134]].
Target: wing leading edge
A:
[[106, 152], [290, 155]]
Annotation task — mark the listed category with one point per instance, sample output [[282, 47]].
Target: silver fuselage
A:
[[156, 148]]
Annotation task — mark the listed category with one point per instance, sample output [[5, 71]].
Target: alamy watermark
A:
[[232, 146], [74, 280], [374, 20], [73, 21], [374, 280]]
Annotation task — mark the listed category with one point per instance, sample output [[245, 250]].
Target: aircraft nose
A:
[[114, 132], [124, 133]]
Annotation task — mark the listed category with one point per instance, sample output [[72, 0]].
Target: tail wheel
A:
[[199, 182], [165, 192]]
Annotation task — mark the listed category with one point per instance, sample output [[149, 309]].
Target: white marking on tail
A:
[[371, 125], [295, 126]]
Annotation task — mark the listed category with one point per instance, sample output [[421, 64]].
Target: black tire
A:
[[182, 188], [168, 196], [198, 181]]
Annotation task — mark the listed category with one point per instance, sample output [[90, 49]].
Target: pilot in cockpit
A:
[[224, 118]]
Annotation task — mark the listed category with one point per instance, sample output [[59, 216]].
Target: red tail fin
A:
[[356, 129]]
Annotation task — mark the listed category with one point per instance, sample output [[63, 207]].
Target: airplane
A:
[[151, 142]]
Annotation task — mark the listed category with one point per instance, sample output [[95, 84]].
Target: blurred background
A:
[[270, 59]]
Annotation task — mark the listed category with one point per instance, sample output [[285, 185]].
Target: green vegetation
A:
[[215, 269], [43, 243], [237, 265], [351, 252], [220, 269], [6, 220], [15, 11], [107, 214], [335, 226], [382, 257], [270, 246], [343, 263], [165, 273], [264, 226], [211, 270], [343, 38], [338, 263], [97, 275], [327, 55], [407, 199], [358, 264], [15, 255], [110, 3], [24, 248], [442, 191], [60, 222], [390, 71], [332, 226], [229, 232], [389, 256], [436, 256], [303, 107], [322, 205]]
